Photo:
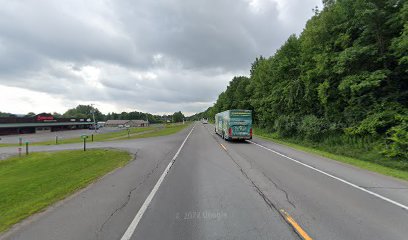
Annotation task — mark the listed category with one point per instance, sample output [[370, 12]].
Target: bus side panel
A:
[[216, 122]]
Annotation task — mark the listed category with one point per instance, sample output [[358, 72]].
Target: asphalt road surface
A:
[[194, 185]]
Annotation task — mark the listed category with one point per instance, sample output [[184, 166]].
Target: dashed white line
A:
[[132, 227], [334, 177]]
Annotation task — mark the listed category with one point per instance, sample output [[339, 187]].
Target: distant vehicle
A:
[[234, 124], [204, 120], [127, 126], [121, 126]]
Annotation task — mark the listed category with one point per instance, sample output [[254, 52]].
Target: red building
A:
[[40, 123]]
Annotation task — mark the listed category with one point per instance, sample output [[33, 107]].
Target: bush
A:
[[286, 125], [379, 121], [312, 127], [397, 142]]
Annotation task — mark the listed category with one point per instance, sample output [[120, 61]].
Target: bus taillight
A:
[[230, 131], [250, 132]]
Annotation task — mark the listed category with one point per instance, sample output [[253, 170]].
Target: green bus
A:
[[234, 124]]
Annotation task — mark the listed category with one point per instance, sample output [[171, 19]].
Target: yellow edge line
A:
[[296, 226], [223, 147]]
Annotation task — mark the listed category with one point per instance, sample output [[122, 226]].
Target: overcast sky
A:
[[157, 56]]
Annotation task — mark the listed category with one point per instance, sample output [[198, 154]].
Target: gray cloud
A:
[[156, 56]]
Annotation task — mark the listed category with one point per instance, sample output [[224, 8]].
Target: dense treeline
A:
[[85, 111], [4, 114], [344, 79]]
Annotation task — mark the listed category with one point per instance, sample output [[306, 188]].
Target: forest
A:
[[341, 85]]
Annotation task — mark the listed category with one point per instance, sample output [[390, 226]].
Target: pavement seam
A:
[[145, 178], [283, 190], [134, 223], [273, 182], [268, 202]]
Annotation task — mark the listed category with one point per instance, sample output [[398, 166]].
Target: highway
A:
[[194, 185]]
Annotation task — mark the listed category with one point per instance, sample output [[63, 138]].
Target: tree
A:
[[178, 117], [30, 114], [84, 111], [346, 76], [3, 114]]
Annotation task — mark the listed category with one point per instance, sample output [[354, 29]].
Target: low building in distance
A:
[[41, 123]]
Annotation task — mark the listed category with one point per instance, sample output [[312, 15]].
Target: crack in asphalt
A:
[[273, 182], [283, 190], [268, 202], [145, 178]]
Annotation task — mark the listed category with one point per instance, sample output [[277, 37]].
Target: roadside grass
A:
[[167, 129], [30, 183], [8, 144], [97, 137], [139, 132], [367, 160]]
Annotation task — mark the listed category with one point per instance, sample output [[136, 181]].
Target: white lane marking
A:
[[334, 177], [132, 227]]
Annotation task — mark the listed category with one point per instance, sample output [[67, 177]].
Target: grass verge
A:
[[31, 183], [375, 165], [164, 131], [134, 133], [97, 137]]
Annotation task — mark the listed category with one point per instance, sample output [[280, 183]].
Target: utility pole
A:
[[93, 115]]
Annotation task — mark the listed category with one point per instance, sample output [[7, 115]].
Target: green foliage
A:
[[178, 117], [398, 139], [312, 127], [133, 116], [285, 125], [84, 111], [3, 114], [378, 121], [30, 114], [345, 77]]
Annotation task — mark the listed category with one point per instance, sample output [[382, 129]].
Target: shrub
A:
[[312, 127], [285, 125], [397, 142]]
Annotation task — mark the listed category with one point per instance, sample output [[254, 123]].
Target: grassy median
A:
[[394, 169], [100, 137], [97, 137], [163, 131], [139, 132], [31, 183]]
